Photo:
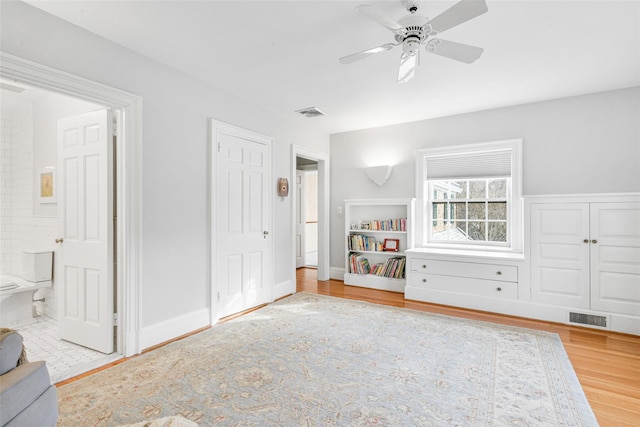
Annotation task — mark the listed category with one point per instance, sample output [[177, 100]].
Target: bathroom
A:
[[29, 219]]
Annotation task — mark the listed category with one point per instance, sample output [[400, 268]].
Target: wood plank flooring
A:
[[606, 363]]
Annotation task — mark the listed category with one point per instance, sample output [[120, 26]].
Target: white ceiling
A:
[[284, 55]]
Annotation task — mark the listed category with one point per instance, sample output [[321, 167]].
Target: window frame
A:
[[486, 201], [425, 207]]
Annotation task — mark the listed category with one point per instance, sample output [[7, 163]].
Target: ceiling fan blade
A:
[[407, 67], [361, 55], [457, 14], [458, 51], [377, 15]]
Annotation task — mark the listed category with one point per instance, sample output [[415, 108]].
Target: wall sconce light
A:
[[379, 174]]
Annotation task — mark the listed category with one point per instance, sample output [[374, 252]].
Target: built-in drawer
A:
[[503, 273], [465, 285]]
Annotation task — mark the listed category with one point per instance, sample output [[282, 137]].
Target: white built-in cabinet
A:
[[586, 256], [581, 265], [433, 278], [371, 222]]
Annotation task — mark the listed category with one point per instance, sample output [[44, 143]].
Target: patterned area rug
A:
[[312, 360]]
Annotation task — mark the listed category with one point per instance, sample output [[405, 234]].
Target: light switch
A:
[[339, 210]]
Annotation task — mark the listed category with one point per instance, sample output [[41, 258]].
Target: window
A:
[[470, 196]]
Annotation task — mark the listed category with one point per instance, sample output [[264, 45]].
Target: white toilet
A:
[[16, 293]]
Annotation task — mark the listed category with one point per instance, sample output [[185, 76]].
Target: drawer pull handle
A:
[[586, 240], [594, 241], [499, 273], [499, 289], [424, 265], [424, 280]]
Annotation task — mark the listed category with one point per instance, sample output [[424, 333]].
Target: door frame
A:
[[324, 226], [302, 214], [214, 127], [129, 181]]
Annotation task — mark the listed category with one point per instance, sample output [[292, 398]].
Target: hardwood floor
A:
[[606, 363]]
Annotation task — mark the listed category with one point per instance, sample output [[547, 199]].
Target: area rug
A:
[[312, 360]]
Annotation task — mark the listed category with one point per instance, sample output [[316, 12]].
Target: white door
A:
[[560, 254], [300, 220], [615, 257], [244, 188], [84, 258]]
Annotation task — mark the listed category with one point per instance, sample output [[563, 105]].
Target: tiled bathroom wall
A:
[[5, 194], [21, 229]]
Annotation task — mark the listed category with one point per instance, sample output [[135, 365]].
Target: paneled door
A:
[[84, 257], [615, 257], [242, 245], [560, 254]]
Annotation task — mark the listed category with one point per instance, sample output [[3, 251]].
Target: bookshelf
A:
[[377, 233]]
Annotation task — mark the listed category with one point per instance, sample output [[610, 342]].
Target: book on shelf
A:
[[358, 264], [392, 268], [396, 224], [361, 242]]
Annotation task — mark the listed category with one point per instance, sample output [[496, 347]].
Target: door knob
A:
[[59, 240], [586, 240], [594, 241]]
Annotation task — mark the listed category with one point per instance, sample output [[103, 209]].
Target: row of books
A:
[[360, 242], [358, 264], [392, 267], [398, 224]]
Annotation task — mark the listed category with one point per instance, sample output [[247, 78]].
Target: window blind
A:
[[486, 164]]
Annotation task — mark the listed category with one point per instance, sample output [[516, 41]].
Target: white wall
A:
[[577, 145], [175, 166]]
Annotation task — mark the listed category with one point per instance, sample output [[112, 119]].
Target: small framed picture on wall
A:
[[47, 185]]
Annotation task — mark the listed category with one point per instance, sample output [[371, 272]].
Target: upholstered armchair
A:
[[27, 397]]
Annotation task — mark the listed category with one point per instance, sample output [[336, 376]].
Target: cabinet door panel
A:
[[559, 255], [615, 257]]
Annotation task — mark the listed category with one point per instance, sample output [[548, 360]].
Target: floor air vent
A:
[[588, 319]]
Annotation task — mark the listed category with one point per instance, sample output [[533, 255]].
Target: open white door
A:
[[300, 220], [84, 265], [243, 247]]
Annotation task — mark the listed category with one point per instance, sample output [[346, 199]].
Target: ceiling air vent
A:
[[311, 112]]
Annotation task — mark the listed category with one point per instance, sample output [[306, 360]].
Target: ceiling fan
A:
[[415, 30]]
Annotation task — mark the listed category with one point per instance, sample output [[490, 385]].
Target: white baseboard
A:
[[169, 329], [558, 314], [283, 288], [337, 273]]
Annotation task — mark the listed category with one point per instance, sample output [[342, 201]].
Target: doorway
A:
[[30, 222], [306, 213], [127, 229], [320, 162]]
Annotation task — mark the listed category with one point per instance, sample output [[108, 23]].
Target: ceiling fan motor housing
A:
[[414, 32]]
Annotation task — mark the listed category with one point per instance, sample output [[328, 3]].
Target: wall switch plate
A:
[[339, 210]]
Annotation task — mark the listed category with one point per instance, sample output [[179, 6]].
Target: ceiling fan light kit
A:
[[414, 31]]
